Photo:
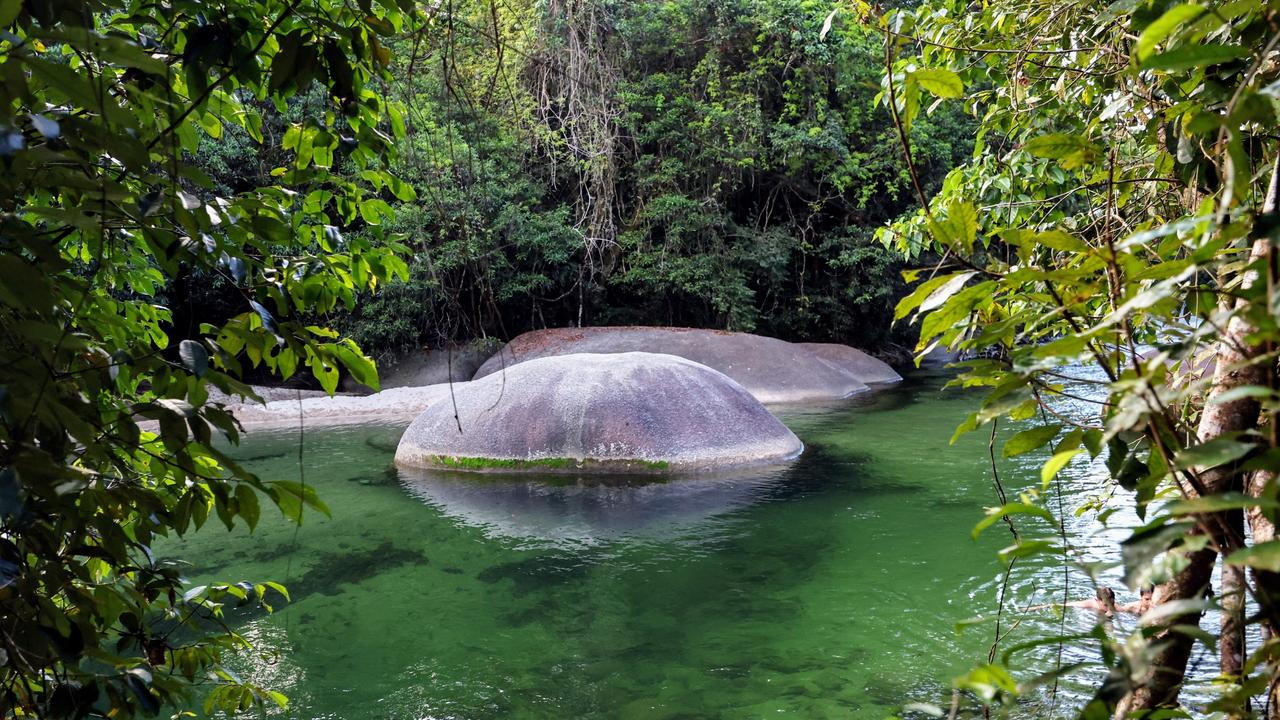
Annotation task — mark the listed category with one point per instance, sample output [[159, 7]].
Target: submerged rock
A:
[[624, 412], [773, 370], [857, 363]]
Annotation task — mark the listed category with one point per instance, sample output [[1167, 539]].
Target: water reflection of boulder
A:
[[591, 510]]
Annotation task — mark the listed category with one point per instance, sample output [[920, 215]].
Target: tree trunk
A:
[[1159, 687], [1162, 683], [1266, 584], [1231, 643]]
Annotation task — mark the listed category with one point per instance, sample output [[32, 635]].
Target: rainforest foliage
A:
[[194, 194], [107, 426], [1113, 243], [686, 163]]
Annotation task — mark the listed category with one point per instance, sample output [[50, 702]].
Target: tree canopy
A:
[[677, 162], [107, 426], [1119, 214], [191, 194]]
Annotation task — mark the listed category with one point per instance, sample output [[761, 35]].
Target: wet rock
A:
[[857, 363], [625, 412], [773, 370]]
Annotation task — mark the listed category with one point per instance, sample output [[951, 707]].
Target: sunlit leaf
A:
[[1162, 27], [1190, 56], [1263, 556], [1028, 440], [939, 81], [1218, 451]]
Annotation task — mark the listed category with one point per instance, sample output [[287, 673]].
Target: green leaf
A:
[[324, 370], [284, 61], [1219, 502], [1055, 464], [1028, 548], [1071, 151], [247, 500], [1263, 556], [1054, 145], [1218, 451], [939, 81], [964, 217], [926, 290], [988, 682], [1244, 391], [1061, 240], [1028, 440], [278, 588], [1158, 31], [943, 293], [142, 691], [994, 515], [1190, 56], [295, 495], [1146, 543], [361, 367], [9, 10], [194, 357]]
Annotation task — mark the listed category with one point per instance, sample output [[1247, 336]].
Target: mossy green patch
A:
[[549, 463]]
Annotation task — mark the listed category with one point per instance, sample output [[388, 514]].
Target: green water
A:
[[829, 588]]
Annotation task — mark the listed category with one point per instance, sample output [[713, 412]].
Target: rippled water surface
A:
[[829, 588]]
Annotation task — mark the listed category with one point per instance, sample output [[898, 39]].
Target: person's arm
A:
[[1074, 603]]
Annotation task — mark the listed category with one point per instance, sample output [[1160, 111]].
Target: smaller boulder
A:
[[857, 363]]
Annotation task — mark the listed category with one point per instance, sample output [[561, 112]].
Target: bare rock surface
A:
[[624, 412], [773, 370], [868, 369], [388, 406]]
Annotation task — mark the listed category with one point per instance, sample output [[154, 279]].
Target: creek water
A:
[[831, 587]]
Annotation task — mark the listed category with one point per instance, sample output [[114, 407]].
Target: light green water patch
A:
[[829, 587]]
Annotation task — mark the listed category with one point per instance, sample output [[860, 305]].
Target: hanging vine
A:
[[574, 81]]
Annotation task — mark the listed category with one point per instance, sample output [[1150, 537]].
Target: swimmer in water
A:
[[1141, 605], [1103, 601]]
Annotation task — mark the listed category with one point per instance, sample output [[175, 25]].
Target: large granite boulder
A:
[[625, 412], [855, 362], [773, 370]]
